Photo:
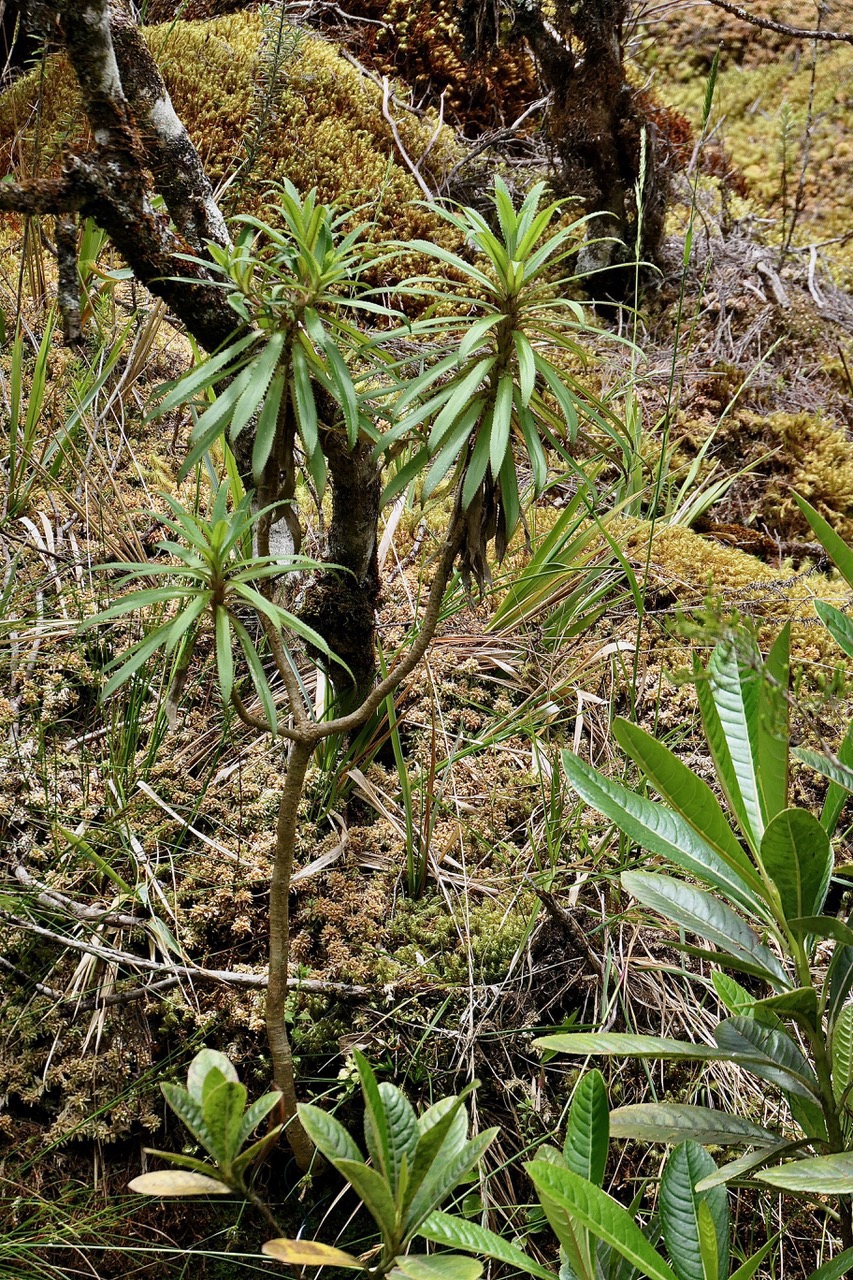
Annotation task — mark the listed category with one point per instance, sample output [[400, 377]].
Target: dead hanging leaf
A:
[[178, 1182], [309, 1253]]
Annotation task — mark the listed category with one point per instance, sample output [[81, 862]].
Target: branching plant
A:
[[303, 385]]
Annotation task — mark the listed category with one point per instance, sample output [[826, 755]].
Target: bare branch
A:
[[768, 24]]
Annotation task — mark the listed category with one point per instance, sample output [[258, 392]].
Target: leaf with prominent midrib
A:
[[566, 1196], [818, 1176], [588, 1129], [459, 1233], [661, 830], [769, 1053], [678, 1206], [701, 913], [675, 1121], [797, 855]]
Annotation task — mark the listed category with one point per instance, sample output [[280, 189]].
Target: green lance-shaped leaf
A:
[[627, 1045], [309, 1253], [839, 626], [674, 1121], [743, 1165], [772, 735], [459, 1233], [662, 831], [436, 1266], [839, 978], [800, 1002], [328, 1134], [261, 372], [840, 773], [588, 1129], [203, 376], [728, 701], [818, 1176], [267, 428], [223, 1106], [797, 855], [842, 1055], [402, 1129], [679, 1205], [832, 543], [254, 1114], [730, 992], [443, 1130], [444, 1176], [188, 1109], [834, 1269], [501, 423], [769, 1053], [700, 913], [691, 797], [568, 1199], [373, 1191], [375, 1119]]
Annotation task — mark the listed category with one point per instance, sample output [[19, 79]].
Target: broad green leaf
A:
[[660, 830], [224, 1104], [254, 1114], [700, 913], [374, 1192], [690, 796], [842, 1055], [678, 1206], [177, 1182], [309, 1253], [709, 1246], [743, 1165], [735, 683], [565, 1195], [802, 1001], [328, 1134], [443, 1131], [735, 997], [620, 1044], [839, 626], [835, 1269], [402, 1128], [834, 545], [444, 1176], [460, 1233], [797, 855], [437, 1266], [673, 1122], [773, 728], [817, 1176], [588, 1129], [189, 1110], [375, 1119], [769, 1053]]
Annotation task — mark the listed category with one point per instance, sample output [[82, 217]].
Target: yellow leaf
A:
[[177, 1182], [309, 1253]]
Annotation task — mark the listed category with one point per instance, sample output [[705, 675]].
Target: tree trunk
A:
[[341, 606]]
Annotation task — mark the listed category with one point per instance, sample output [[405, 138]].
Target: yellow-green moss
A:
[[325, 127], [757, 108]]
